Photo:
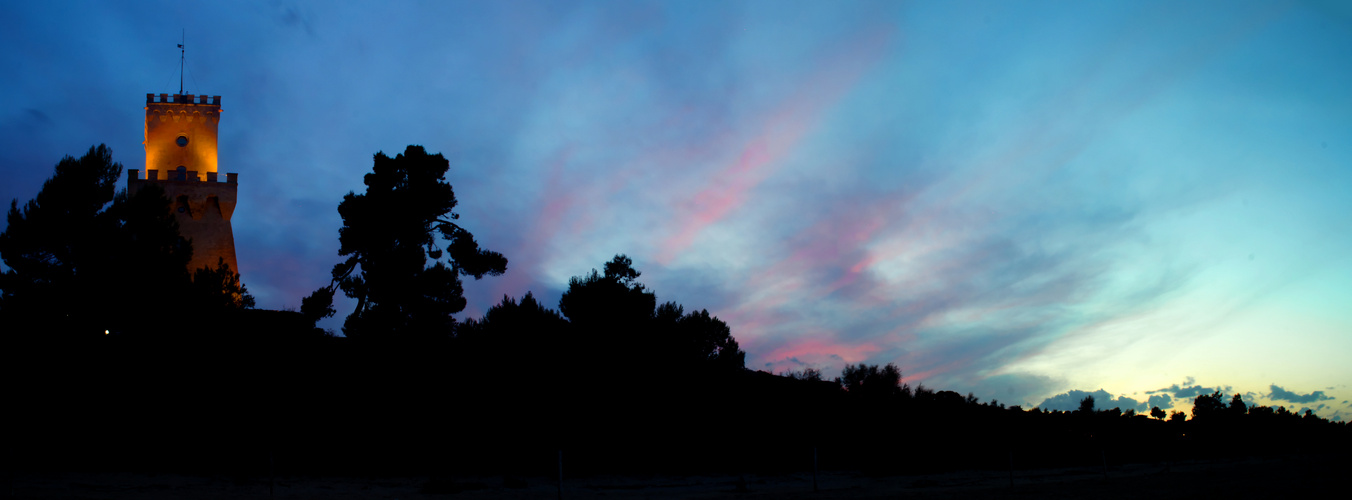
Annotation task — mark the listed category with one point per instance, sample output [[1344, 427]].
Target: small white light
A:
[[105, 332]]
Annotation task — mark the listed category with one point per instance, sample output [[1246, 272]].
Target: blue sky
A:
[[1017, 199]]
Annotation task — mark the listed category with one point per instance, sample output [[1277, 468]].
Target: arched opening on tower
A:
[[181, 205], [213, 208]]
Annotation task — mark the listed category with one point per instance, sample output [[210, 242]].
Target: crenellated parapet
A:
[[198, 198], [184, 108], [182, 175], [183, 99]]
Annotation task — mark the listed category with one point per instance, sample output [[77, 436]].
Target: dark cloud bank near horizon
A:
[[1165, 397]]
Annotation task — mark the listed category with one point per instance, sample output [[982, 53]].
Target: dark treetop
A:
[[405, 284]]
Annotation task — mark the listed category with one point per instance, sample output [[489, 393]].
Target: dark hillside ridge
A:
[[263, 387]]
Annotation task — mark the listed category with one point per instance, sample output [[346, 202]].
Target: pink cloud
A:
[[930, 373], [525, 260], [820, 348], [780, 133], [826, 245]]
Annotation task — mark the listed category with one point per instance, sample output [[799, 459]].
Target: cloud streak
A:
[[1281, 394], [780, 132]]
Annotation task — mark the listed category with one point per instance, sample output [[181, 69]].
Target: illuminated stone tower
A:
[[181, 158]]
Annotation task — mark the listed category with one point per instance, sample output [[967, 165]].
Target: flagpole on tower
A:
[[181, 54]]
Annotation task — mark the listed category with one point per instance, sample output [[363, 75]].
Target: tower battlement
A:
[[193, 198], [182, 175], [183, 99]]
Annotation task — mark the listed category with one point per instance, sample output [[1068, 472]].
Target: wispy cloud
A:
[[779, 133]]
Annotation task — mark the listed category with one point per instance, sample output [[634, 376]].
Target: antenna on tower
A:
[[181, 54]]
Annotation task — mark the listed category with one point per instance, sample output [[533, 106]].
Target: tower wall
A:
[[203, 210], [181, 158], [194, 118]]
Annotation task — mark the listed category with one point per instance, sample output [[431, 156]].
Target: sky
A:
[[1028, 201]]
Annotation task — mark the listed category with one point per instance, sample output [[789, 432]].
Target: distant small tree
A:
[[1237, 406], [707, 340], [602, 303], [1263, 411], [1178, 416], [318, 305], [871, 380], [922, 394], [809, 374], [1157, 413], [220, 288], [621, 269], [616, 319], [1086, 406], [1208, 405]]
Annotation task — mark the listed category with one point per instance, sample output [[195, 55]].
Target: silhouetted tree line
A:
[[616, 380]]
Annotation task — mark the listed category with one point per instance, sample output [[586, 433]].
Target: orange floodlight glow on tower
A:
[[181, 157]]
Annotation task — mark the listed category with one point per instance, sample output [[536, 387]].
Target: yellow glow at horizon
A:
[[1219, 340]]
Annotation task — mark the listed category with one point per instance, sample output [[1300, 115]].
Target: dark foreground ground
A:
[[1285, 477]]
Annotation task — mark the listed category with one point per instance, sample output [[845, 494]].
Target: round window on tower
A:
[[182, 141]]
